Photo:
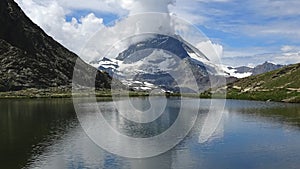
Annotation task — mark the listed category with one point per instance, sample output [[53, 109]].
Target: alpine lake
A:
[[46, 133]]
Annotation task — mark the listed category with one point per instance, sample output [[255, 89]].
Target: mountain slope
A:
[[29, 58], [279, 85], [244, 71], [265, 67], [163, 62]]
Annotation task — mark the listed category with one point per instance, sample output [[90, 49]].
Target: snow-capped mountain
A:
[[161, 62], [245, 71]]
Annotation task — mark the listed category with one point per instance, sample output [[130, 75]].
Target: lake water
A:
[[45, 133]]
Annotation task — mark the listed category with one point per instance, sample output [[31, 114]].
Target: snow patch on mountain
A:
[[233, 72], [161, 62]]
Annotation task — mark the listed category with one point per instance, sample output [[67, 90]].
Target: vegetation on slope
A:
[[279, 85], [29, 58]]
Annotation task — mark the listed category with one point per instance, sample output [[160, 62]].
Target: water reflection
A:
[[46, 134], [26, 124], [148, 140], [167, 117]]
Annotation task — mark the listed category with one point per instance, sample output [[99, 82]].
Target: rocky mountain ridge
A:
[[161, 62], [245, 71], [29, 58]]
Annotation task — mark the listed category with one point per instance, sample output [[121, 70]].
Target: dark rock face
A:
[[162, 42], [162, 60], [29, 58]]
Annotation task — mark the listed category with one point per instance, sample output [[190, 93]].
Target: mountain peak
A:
[[265, 67], [245, 71], [154, 58]]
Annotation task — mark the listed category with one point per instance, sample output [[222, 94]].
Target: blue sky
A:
[[252, 25], [250, 31]]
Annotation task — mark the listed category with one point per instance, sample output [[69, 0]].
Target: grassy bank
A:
[[278, 95], [280, 85], [63, 93]]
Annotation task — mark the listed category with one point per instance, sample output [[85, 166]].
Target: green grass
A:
[[56, 93], [279, 85]]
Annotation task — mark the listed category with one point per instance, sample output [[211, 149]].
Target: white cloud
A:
[[275, 7], [51, 18], [283, 58], [119, 7], [255, 18], [125, 32], [188, 10], [289, 48], [286, 54], [289, 30], [213, 51], [288, 58], [276, 16], [50, 15], [141, 6], [103, 6]]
